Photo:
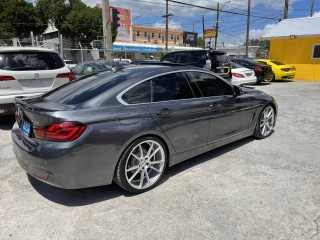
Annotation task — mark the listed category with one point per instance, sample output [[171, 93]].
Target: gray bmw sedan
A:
[[129, 125]]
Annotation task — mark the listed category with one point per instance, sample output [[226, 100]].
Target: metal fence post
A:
[[81, 51]]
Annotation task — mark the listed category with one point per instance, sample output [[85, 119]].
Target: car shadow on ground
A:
[[82, 197], [6, 122], [283, 81]]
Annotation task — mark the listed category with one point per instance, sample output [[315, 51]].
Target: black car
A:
[[128, 126], [90, 67], [215, 61], [263, 71]]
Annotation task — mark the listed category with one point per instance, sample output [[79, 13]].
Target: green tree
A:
[[77, 21], [18, 18], [200, 42]]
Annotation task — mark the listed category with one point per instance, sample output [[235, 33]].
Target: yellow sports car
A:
[[280, 70]]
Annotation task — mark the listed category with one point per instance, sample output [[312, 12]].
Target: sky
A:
[[232, 28]]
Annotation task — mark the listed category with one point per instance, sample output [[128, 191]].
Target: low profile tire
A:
[[265, 123], [142, 165], [273, 79]]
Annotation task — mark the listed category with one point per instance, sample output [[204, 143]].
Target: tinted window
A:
[[316, 51], [219, 58], [24, 61], [138, 94], [277, 62], [235, 65], [168, 57], [170, 87], [182, 57], [77, 69], [197, 56], [210, 85], [80, 91]]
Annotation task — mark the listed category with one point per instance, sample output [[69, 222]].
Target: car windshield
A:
[[219, 58], [277, 62], [28, 61]]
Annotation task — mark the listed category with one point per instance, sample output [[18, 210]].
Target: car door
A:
[[229, 114], [182, 117]]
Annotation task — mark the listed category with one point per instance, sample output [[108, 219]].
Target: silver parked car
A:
[[128, 126]]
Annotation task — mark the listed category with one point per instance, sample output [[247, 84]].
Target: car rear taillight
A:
[[258, 69], [238, 75], [6, 78], [60, 132], [65, 75]]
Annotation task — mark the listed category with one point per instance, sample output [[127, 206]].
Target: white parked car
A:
[[242, 75], [69, 63], [29, 71]]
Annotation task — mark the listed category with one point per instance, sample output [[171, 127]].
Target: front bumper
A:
[[65, 165]]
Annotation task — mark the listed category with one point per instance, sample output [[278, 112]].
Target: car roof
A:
[[22, 49], [201, 50]]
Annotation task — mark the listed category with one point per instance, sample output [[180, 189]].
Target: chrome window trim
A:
[[120, 100]]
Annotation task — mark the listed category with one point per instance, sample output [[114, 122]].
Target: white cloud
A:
[[317, 14], [171, 23]]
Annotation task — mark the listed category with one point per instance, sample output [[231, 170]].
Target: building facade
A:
[[297, 42], [156, 36]]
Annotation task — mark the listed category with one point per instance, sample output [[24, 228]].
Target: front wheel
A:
[[142, 165], [265, 123]]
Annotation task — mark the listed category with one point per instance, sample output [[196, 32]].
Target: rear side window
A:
[[24, 61], [168, 57], [182, 57], [172, 86], [219, 58], [210, 85], [138, 94], [197, 56], [163, 88]]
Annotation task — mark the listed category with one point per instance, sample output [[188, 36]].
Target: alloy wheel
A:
[[145, 164], [267, 121]]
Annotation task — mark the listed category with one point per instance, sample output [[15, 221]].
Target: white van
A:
[[29, 71]]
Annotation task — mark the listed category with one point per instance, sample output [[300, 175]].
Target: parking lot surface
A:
[[250, 189]]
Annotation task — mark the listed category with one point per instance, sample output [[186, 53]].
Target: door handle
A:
[[163, 112]]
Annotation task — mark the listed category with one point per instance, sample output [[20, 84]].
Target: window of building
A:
[[178, 38], [145, 34], [148, 37], [162, 39], [171, 37], [155, 42], [138, 33], [152, 35], [316, 51], [159, 35]]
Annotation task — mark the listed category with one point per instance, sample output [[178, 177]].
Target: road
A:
[[250, 189]]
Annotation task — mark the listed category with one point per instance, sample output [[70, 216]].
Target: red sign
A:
[[210, 33], [125, 24]]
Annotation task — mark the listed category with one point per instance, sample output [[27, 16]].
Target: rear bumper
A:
[[64, 165], [248, 80], [285, 76]]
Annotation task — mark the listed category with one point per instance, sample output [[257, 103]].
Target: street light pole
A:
[[107, 35], [217, 23], [312, 7], [167, 18], [248, 29], [217, 27]]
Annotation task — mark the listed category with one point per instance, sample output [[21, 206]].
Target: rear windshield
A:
[[28, 61], [219, 58], [235, 65], [80, 91], [277, 62]]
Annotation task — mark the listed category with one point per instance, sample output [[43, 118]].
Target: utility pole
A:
[[217, 27], [286, 9], [107, 35], [167, 18], [248, 29], [312, 7], [204, 41]]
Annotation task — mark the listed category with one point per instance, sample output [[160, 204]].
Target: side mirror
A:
[[237, 91]]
